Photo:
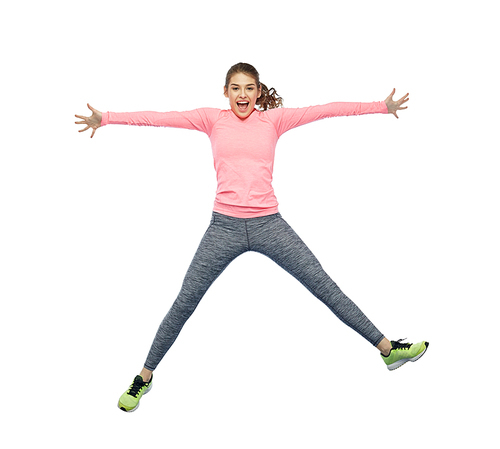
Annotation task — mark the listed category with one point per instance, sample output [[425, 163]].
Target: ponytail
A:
[[269, 98]]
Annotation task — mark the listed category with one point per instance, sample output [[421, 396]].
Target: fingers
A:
[[91, 108], [87, 121], [394, 106], [403, 99], [85, 129], [389, 98], [94, 111]]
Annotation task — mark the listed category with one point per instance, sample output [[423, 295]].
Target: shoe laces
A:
[[399, 345], [136, 386]]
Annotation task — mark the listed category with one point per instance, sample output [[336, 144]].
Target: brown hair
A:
[[269, 98]]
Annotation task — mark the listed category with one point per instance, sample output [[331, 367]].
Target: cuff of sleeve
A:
[[384, 108], [105, 119]]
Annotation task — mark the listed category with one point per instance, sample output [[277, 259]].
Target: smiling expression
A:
[[243, 94]]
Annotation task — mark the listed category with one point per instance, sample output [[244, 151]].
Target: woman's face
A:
[[242, 93]]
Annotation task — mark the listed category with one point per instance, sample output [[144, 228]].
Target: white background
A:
[[97, 234]]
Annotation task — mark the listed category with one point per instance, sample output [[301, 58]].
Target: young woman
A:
[[245, 215]]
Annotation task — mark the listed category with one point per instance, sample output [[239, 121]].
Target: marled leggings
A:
[[228, 237]]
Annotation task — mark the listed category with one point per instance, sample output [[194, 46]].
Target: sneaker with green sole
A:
[[129, 401], [404, 352]]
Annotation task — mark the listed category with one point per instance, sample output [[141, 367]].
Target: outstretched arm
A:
[[285, 119], [94, 121], [201, 119], [394, 106]]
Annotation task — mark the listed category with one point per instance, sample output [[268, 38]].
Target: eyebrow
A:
[[234, 84]]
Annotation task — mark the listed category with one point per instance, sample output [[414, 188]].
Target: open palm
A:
[[94, 121], [394, 106]]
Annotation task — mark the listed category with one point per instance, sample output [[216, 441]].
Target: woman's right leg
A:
[[224, 240]]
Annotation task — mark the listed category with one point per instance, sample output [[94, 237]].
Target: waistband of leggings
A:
[[216, 216]]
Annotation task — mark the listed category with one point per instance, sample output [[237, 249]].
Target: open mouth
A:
[[242, 105]]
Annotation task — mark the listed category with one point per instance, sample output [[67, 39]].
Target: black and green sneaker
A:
[[129, 401], [404, 352]]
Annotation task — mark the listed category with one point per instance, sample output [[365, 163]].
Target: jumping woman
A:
[[245, 216]]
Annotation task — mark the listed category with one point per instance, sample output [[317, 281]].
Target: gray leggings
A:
[[228, 237]]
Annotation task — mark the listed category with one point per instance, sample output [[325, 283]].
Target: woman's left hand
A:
[[393, 106]]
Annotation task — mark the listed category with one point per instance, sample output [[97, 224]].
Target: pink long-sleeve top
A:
[[243, 150]]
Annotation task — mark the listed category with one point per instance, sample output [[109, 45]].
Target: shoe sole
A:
[[401, 362], [121, 407]]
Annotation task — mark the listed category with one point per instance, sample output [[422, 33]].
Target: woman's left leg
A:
[[278, 241]]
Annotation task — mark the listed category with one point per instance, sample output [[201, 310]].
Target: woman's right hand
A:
[[94, 121]]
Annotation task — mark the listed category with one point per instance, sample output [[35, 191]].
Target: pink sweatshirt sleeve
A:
[[197, 119], [288, 118]]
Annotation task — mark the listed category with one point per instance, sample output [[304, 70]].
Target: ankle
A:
[[385, 347], [146, 374]]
